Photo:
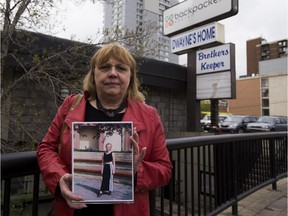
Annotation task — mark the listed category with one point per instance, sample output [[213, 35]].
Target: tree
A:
[[28, 14], [137, 41], [48, 69]]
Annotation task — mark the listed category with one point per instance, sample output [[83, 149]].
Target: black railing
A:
[[210, 174]]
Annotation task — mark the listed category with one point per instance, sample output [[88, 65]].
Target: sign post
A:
[[193, 105], [210, 72]]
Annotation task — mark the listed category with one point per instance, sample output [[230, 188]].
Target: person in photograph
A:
[[110, 93], [107, 170]]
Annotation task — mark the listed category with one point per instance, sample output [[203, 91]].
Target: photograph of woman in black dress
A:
[[107, 171]]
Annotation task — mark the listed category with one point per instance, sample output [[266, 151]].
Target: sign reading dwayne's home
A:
[[211, 33], [187, 14], [215, 69]]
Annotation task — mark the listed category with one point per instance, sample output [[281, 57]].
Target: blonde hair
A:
[[121, 54]]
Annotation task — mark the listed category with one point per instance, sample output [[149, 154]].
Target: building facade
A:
[[264, 90], [259, 49], [247, 102], [133, 14]]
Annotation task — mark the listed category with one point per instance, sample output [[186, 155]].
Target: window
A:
[[264, 82], [283, 121], [265, 112], [265, 103], [252, 119], [246, 120], [265, 51], [282, 43], [265, 55], [282, 51], [265, 92], [265, 47]]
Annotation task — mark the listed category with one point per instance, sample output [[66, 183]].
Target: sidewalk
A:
[[265, 202]]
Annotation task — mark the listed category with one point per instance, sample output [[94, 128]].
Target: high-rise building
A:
[[259, 50], [133, 14]]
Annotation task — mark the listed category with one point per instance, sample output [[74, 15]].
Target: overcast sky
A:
[[256, 18]]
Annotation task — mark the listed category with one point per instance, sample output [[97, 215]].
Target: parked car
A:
[[206, 121], [268, 123], [236, 123]]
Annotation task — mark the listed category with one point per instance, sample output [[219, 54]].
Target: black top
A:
[[108, 157], [92, 115]]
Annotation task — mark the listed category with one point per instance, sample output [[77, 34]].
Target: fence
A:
[[210, 174]]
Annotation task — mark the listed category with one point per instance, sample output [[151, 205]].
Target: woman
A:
[[107, 171], [110, 94]]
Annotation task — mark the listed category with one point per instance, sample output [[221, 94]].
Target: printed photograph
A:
[[102, 162]]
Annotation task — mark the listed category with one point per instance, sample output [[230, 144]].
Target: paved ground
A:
[[88, 187], [265, 202]]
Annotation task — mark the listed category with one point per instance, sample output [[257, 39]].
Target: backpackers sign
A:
[[192, 13]]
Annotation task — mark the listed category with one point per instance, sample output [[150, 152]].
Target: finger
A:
[[135, 145], [76, 205], [142, 153], [135, 135], [74, 201], [67, 177], [139, 158], [71, 196]]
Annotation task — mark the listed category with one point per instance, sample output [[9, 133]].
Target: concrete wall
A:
[[278, 95], [273, 67]]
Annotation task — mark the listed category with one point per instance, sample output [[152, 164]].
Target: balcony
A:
[[210, 174]]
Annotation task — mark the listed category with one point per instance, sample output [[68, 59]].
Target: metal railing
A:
[[210, 173]]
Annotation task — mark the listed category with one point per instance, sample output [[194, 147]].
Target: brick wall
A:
[[247, 100]]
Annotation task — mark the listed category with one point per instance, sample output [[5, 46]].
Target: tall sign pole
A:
[[192, 24], [193, 105]]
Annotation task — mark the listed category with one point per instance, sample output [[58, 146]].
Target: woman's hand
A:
[[138, 154], [65, 188]]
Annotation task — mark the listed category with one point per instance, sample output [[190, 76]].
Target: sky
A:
[[256, 18]]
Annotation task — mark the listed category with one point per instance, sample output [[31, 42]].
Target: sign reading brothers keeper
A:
[[191, 13], [213, 59], [215, 69]]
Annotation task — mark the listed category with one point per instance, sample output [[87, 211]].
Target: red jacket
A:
[[153, 172]]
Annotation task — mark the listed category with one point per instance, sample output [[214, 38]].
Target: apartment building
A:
[[133, 14], [259, 49], [264, 90]]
